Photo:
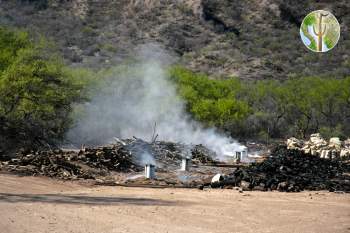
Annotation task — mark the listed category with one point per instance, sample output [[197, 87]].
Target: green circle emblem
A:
[[320, 31]]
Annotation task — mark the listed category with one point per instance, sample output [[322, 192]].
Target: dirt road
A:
[[31, 204]]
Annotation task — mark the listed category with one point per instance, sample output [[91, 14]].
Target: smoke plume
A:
[[133, 98]]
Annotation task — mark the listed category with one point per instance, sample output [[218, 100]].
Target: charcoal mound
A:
[[292, 171]]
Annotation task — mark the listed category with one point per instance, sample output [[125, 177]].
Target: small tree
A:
[[36, 92]]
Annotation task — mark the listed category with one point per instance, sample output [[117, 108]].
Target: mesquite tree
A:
[[36, 92]]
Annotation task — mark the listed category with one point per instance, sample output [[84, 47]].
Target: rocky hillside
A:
[[255, 39]]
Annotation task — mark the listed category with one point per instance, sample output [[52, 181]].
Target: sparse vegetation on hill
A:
[[248, 39]]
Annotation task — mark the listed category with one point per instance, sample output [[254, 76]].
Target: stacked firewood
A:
[[317, 145]]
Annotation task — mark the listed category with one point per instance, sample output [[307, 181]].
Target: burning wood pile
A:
[[202, 155], [169, 163], [129, 155], [317, 145], [291, 171]]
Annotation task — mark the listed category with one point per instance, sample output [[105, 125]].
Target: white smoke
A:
[[147, 158], [133, 99]]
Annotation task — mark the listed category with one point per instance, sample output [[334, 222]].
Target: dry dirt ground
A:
[[33, 204]]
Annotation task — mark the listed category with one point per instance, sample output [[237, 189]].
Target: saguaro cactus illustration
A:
[[321, 32]]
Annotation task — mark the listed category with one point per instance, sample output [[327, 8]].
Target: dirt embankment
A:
[[39, 204]]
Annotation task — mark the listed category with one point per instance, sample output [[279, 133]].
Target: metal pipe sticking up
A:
[[241, 154], [149, 171], [186, 164]]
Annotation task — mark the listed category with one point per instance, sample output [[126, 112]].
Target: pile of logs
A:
[[89, 163], [316, 145], [94, 163], [203, 155]]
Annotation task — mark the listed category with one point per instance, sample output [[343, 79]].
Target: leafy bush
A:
[[214, 102], [36, 91]]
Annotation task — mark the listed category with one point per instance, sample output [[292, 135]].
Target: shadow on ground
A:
[[81, 199]]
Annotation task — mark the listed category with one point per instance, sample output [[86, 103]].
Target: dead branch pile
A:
[[91, 163], [88, 164], [201, 154]]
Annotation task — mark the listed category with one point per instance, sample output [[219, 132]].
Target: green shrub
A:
[[36, 91], [213, 102], [296, 107]]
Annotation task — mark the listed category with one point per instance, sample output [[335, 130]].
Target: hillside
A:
[[250, 39]]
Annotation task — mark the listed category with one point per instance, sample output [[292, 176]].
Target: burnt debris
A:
[[129, 155], [287, 170], [292, 171]]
